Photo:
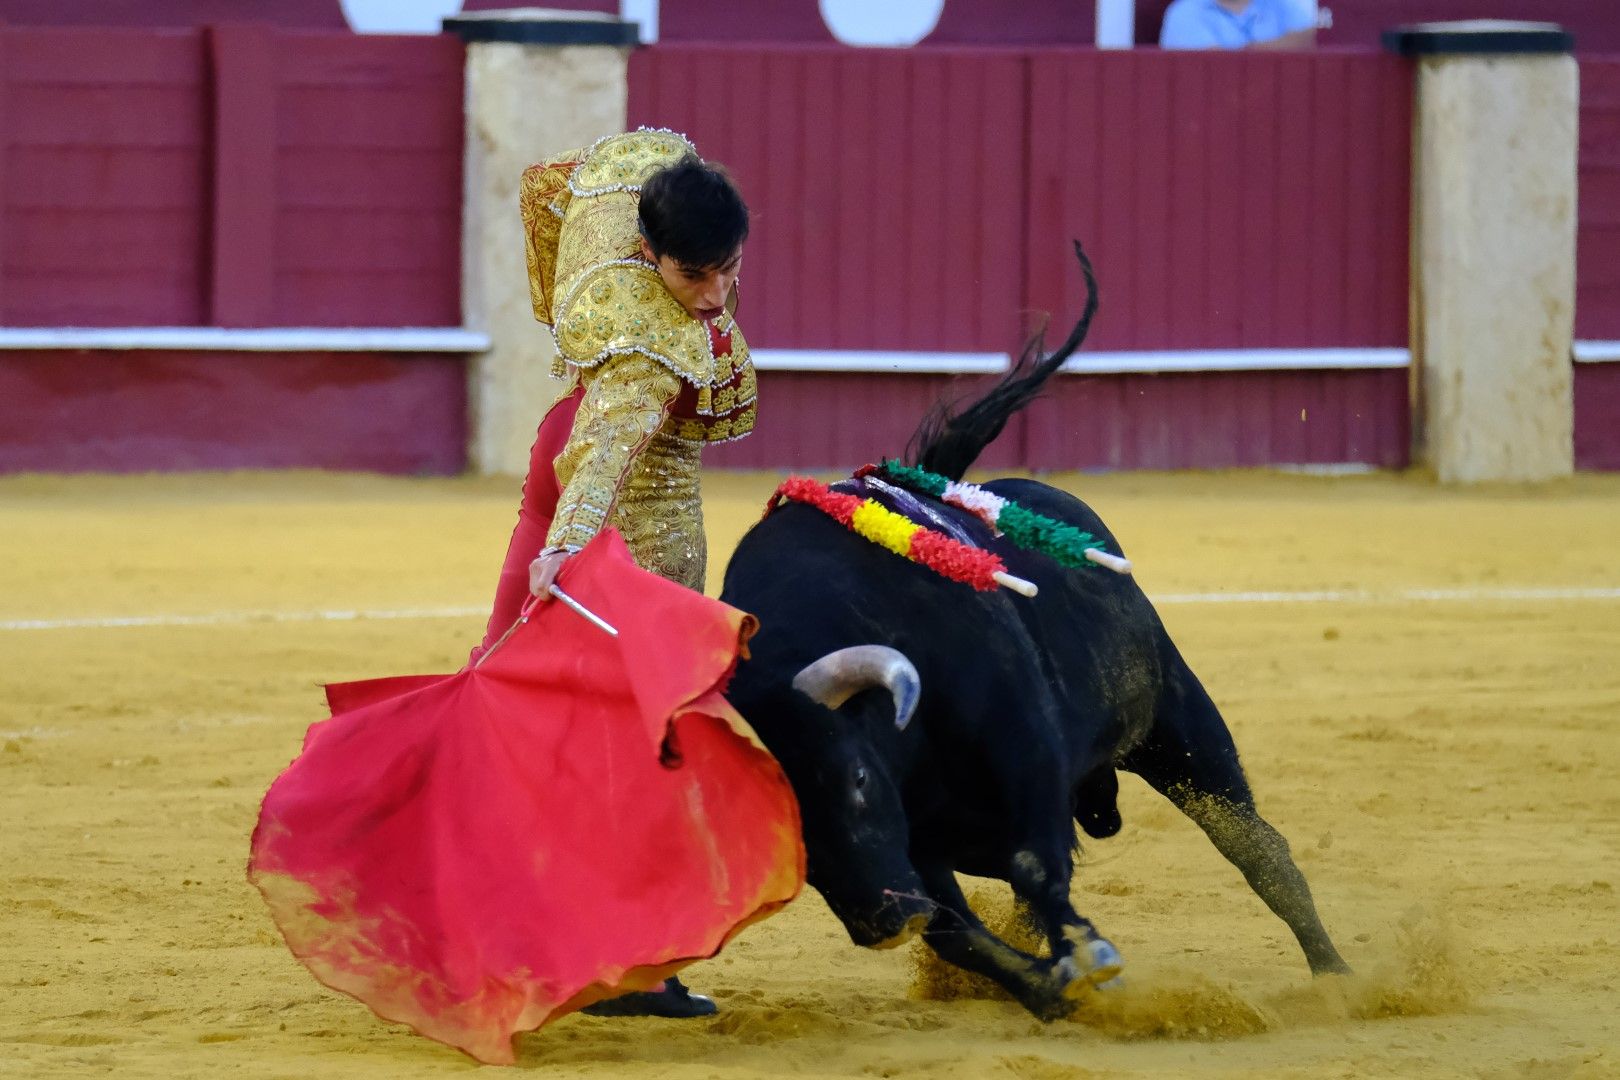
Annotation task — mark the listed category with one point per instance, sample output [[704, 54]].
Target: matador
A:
[[640, 300]]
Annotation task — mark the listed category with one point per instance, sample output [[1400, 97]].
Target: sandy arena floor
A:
[[1444, 763]]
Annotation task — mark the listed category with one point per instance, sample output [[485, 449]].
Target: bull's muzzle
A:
[[839, 676]]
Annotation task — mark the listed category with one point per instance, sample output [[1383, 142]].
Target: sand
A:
[[1446, 769]]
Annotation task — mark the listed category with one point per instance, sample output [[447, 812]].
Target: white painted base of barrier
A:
[[291, 339]]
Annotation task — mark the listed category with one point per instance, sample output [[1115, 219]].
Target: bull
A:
[[928, 729]]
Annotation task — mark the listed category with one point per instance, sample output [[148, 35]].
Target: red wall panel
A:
[[1227, 201], [104, 177], [141, 411], [838, 421], [885, 186], [182, 178], [368, 135], [1597, 416], [1213, 420], [1597, 239], [1206, 420]]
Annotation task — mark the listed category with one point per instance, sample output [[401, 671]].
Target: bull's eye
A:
[[860, 777]]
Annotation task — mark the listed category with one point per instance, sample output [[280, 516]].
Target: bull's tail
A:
[[948, 440]]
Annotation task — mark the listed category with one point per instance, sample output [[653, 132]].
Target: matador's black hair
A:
[[693, 213]]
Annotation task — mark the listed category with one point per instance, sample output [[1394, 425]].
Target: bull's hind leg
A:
[[1190, 758], [1045, 987]]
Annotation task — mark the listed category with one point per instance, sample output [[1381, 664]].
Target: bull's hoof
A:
[[1096, 966], [1106, 963]]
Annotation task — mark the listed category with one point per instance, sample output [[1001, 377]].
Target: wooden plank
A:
[[1193, 202], [1251, 410], [5, 148], [930, 154], [1224, 231], [359, 61], [745, 155], [135, 412], [1153, 136], [963, 279], [361, 179], [96, 118], [104, 238], [84, 179], [86, 297], [1288, 222], [1597, 276], [101, 56], [424, 117], [1364, 216], [1393, 237], [887, 261], [1115, 251], [377, 298], [823, 194], [103, 184], [1597, 416], [1330, 229], [1003, 228], [339, 239], [1257, 265], [854, 230], [1055, 193], [242, 270], [784, 256]]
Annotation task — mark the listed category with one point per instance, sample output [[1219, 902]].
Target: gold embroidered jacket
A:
[[657, 383]]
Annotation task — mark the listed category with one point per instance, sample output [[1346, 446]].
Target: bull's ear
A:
[[839, 676]]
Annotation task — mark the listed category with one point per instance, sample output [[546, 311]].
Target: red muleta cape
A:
[[477, 854]]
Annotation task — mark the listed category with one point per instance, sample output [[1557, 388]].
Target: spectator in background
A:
[[1239, 24]]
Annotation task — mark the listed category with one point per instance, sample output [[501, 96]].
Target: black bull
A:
[[1024, 709]]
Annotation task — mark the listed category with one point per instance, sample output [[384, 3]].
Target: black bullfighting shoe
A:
[[674, 1002]]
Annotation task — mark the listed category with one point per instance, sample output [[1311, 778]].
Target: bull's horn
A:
[[839, 676]]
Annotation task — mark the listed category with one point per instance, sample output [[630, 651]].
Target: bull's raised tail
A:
[[949, 441]]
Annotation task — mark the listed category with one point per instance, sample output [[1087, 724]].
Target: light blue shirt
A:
[[1204, 24]]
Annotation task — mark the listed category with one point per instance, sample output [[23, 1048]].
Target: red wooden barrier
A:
[[1597, 256], [886, 186], [104, 186], [140, 411], [367, 189], [1597, 416], [1228, 201], [1217, 420], [238, 177]]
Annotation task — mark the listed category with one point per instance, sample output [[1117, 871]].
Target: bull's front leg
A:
[[1045, 987], [1040, 874]]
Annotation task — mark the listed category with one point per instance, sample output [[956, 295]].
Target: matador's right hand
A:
[[544, 570]]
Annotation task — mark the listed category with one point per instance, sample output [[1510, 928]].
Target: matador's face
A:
[[703, 293]]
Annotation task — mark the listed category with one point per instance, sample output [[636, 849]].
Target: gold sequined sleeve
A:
[[626, 401]]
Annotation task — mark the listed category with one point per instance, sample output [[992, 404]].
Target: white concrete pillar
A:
[[1493, 248], [534, 86]]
